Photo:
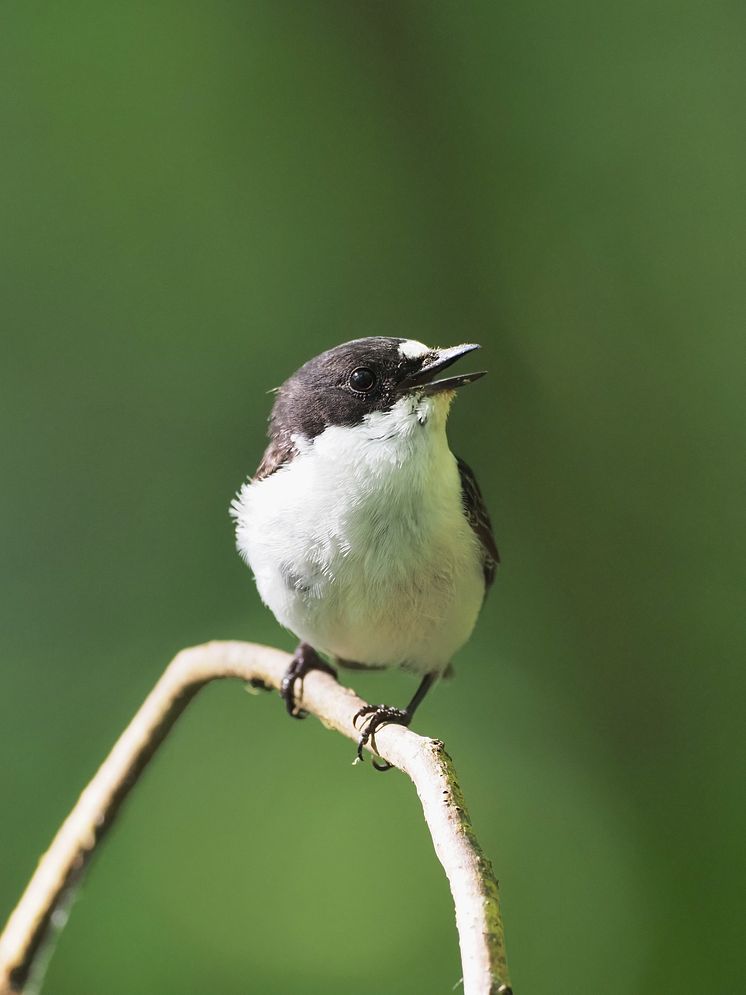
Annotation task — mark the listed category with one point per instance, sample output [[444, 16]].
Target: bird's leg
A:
[[379, 715], [304, 660]]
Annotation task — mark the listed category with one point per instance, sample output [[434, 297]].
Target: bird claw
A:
[[305, 659], [287, 693], [364, 711], [378, 715]]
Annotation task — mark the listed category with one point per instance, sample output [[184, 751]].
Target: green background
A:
[[195, 198]]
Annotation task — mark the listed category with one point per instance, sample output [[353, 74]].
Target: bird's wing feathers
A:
[[479, 519], [280, 451]]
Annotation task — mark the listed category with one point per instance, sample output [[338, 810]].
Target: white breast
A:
[[360, 546]]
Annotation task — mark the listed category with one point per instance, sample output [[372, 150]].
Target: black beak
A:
[[435, 362]]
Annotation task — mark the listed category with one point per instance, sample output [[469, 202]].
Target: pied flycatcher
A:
[[367, 537]]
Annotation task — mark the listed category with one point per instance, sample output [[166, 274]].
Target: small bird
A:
[[368, 539]]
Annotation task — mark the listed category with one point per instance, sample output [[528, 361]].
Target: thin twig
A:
[[472, 881]]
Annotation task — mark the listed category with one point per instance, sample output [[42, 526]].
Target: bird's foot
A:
[[304, 660], [376, 716]]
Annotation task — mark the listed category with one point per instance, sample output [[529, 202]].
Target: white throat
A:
[[412, 432]]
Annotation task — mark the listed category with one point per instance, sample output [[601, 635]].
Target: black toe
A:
[[378, 715], [304, 660]]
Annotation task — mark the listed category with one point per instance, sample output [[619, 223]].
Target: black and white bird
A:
[[367, 537]]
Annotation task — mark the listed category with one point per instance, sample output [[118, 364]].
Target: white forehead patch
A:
[[412, 349]]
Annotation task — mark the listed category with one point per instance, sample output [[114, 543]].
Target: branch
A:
[[425, 761]]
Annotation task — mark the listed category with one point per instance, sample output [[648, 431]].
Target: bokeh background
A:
[[195, 198]]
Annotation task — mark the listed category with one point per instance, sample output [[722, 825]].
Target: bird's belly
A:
[[377, 589], [417, 622]]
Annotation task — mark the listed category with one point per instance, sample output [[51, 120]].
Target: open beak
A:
[[437, 361]]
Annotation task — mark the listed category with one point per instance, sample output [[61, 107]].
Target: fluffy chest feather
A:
[[360, 546]]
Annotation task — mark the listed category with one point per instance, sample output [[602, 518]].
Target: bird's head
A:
[[363, 380]]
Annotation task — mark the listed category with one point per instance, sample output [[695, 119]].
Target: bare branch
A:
[[425, 761]]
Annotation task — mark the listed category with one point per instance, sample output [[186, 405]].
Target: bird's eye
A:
[[362, 379]]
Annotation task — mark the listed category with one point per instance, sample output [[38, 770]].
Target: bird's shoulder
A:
[[281, 450], [478, 517]]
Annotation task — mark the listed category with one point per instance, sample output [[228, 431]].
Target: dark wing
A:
[[280, 451], [479, 519]]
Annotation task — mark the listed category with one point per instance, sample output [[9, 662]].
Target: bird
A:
[[367, 538]]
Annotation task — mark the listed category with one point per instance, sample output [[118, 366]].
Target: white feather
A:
[[412, 349], [360, 546]]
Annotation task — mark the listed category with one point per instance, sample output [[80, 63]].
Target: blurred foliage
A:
[[198, 197]]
